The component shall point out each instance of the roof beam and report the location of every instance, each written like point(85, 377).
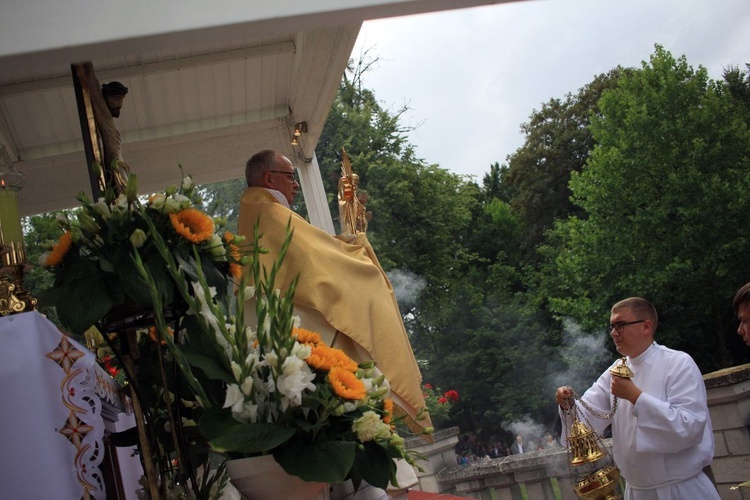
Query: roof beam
point(271, 49)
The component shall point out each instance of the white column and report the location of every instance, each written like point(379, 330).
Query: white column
point(315, 194)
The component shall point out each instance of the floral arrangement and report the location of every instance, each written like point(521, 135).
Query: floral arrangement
point(282, 390)
point(93, 259)
point(438, 403)
point(267, 388)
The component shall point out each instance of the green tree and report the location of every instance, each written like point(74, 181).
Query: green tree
point(558, 142)
point(222, 200)
point(40, 232)
point(663, 193)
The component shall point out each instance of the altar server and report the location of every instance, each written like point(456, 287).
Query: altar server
point(662, 438)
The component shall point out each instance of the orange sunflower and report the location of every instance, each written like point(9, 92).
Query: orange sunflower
point(325, 358)
point(59, 250)
point(306, 336)
point(233, 250)
point(154, 335)
point(193, 225)
point(387, 410)
point(346, 384)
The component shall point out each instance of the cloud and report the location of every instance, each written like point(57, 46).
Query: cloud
point(472, 76)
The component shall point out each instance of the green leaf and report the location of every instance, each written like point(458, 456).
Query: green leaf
point(327, 462)
point(211, 366)
point(135, 288)
point(226, 434)
point(87, 296)
point(374, 466)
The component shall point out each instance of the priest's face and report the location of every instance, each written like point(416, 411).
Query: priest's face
point(632, 335)
point(282, 178)
point(743, 314)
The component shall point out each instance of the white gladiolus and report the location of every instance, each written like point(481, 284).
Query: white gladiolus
point(247, 386)
point(138, 238)
point(236, 371)
point(267, 325)
point(296, 377)
point(103, 209)
point(301, 351)
point(235, 399)
point(249, 413)
point(292, 365)
point(252, 360)
point(271, 359)
point(121, 203)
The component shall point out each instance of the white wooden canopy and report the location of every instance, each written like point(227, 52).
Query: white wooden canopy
point(210, 83)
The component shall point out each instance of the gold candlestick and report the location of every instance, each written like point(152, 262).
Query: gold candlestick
point(13, 297)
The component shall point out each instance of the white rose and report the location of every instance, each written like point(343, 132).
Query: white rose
point(183, 200)
point(157, 201)
point(369, 426)
point(171, 206)
point(216, 247)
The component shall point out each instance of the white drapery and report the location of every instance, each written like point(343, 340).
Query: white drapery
point(51, 424)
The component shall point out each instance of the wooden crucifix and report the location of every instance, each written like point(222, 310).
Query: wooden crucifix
point(98, 106)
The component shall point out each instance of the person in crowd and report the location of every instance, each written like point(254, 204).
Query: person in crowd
point(518, 447)
point(550, 442)
point(662, 437)
point(741, 305)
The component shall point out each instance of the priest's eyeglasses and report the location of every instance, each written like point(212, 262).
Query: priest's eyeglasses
point(292, 176)
point(620, 325)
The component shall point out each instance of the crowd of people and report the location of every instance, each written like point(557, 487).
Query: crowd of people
point(472, 449)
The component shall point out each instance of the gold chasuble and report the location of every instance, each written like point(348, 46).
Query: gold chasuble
point(342, 284)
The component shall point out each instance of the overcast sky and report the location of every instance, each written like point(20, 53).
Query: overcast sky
point(471, 77)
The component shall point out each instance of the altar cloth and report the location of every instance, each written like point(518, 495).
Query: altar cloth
point(51, 425)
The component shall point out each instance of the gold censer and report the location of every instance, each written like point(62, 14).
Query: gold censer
point(586, 447)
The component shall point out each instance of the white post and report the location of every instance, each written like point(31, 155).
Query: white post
point(315, 194)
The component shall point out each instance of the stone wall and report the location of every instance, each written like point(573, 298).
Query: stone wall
point(729, 404)
point(440, 454)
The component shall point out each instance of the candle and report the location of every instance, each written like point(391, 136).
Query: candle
point(10, 220)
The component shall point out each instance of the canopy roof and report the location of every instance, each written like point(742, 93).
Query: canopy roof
point(209, 83)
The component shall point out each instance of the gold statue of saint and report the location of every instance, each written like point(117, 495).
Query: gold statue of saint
point(352, 211)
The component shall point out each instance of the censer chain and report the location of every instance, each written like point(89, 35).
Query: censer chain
point(603, 416)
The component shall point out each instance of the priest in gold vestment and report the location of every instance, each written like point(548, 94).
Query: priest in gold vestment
point(342, 293)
